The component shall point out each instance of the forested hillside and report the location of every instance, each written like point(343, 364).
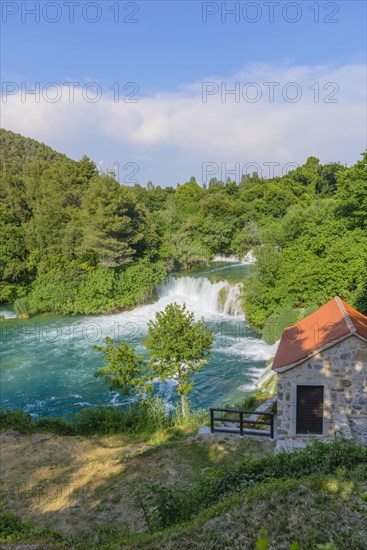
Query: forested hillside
point(76, 241)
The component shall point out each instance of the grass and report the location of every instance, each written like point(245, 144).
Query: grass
point(252, 400)
point(15, 529)
point(168, 488)
point(145, 417)
point(319, 512)
point(75, 484)
point(169, 506)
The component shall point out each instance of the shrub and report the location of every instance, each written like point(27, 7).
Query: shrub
point(144, 416)
point(100, 420)
point(14, 529)
point(16, 420)
point(58, 426)
point(22, 308)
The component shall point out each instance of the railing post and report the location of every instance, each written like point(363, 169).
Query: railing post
point(211, 420)
point(241, 423)
point(272, 427)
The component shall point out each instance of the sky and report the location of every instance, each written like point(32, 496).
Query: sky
point(165, 90)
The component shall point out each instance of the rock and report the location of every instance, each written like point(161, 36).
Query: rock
point(344, 383)
point(204, 430)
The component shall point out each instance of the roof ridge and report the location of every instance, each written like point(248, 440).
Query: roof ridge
point(345, 314)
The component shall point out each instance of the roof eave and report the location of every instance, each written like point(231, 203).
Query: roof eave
point(319, 350)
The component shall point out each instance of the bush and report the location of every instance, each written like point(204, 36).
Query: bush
point(144, 416)
point(100, 420)
point(92, 420)
point(55, 292)
point(58, 426)
point(17, 420)
point(22, 308)
point(13, 529)
point(100, 290)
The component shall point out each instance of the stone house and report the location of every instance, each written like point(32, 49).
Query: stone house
point(321, 366)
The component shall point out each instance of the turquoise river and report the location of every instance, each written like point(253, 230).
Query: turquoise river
point(47, 362)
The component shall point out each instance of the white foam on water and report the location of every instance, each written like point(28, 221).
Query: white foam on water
point(212, 301)
point(217, 302)
point(225, 258)
point(249, 258)
point(202, 296)
point(7, 313)
point(247, 387)
point(251, 348)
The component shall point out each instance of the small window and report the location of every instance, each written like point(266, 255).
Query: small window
point(310, 409)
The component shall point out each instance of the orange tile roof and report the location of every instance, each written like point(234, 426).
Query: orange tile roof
point(333, 321)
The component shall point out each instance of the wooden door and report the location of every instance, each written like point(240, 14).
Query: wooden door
point(310, 409)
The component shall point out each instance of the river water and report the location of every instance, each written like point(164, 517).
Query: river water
point(47, 362)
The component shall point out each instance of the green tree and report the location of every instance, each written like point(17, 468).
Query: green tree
point(113, 222)
point(21, 306)
point(352, 194)
point(178, 347)
point(124, 370)
point(248, 237)
point(187, 197)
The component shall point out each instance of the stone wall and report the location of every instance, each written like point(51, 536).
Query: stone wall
point(342, 370)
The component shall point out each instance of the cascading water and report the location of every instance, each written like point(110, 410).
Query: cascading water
point(7, 313)
point(204, 297)
point(48, 361)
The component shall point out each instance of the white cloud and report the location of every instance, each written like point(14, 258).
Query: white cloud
point(179, 128)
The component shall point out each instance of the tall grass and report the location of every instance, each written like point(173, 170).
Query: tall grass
point(146, 416)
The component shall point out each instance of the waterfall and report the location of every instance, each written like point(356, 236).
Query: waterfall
point(226, 258)
point(203, 296)
point(7, 313)
point(27, 380)
point(249, 258)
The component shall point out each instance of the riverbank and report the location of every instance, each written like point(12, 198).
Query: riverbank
point(221, 268)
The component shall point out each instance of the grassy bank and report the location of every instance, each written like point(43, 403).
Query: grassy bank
point(120, 491)
point(144, 417)
point(88, 489)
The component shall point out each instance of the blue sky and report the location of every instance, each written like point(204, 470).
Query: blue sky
point(169, 133)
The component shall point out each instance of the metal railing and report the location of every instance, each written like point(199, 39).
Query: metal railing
point(241, 421)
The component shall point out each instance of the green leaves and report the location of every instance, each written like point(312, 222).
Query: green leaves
point(112, 222)
point(178, 346)
point(352, 194)
point(124, 369)
point(76, 241)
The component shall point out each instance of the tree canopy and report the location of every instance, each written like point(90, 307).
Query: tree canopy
point(76, 241)
point(178, 347)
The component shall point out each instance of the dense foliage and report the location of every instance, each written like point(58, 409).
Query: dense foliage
point(76, 241)
point(178, 347)
point(124, 368)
